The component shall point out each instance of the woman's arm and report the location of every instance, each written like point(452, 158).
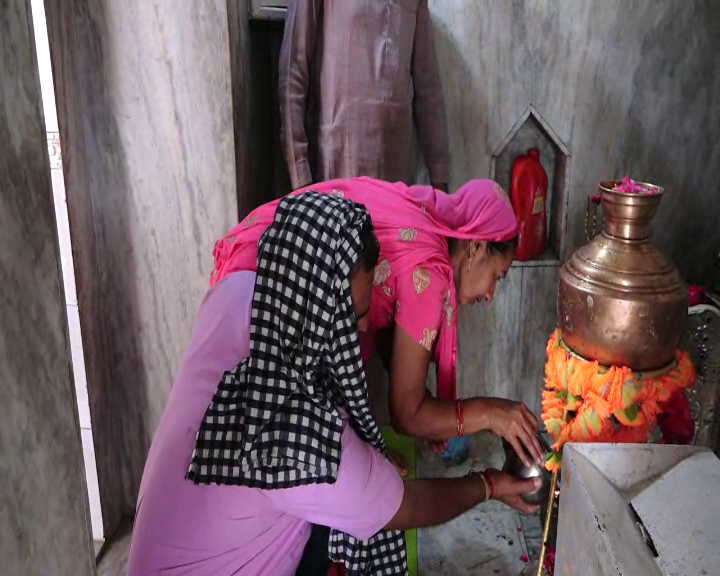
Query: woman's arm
point(412, 410)
point(432, 502)
point(416, 413)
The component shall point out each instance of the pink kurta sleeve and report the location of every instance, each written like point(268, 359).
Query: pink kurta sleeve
point(296, 56)
point(367, 494)
point(428, 105)
point(419, 304)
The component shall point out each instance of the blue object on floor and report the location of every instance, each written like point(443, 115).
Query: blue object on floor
point(457, 451)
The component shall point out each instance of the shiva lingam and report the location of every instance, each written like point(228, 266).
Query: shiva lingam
point(613, 363)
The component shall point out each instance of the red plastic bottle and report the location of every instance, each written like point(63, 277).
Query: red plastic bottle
point(529, 194)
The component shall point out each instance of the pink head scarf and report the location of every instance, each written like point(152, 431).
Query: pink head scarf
point(479, 210)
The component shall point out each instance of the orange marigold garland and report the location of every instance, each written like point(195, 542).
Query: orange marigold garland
point(603, 404)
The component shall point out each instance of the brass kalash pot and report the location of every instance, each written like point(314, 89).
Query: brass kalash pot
point(620, 301)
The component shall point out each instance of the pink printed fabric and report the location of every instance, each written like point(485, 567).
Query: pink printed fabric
point(412, 224)
point(418, 301)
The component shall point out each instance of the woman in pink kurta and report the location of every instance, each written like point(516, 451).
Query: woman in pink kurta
point(437, 251)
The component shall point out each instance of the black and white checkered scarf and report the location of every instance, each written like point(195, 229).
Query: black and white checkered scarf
point(274, 420)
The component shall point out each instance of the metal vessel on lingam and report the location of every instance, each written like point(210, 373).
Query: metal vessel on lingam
point(620, 301)
point(622, 310)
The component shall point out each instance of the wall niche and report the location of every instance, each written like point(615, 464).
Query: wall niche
point(532, 131)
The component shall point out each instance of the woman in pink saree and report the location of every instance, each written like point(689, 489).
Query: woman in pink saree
point(437, 251)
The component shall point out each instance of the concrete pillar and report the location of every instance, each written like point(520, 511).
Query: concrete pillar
point(44, 518)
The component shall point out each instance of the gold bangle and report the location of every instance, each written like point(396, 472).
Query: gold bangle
point(485, 482)
point(487, 487)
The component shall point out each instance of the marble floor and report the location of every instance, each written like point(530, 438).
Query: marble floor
point(490, 539)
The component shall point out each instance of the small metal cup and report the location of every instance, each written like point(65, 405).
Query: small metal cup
point(515, 467)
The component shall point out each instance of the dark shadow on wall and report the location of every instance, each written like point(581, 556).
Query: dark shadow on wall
point(454, 75)
point(280, 178)
point(44, 513)
point(260, 167)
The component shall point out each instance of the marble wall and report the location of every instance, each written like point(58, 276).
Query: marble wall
point(47, 90)
point(146, 119)
point(629, 88)
point(44, 517)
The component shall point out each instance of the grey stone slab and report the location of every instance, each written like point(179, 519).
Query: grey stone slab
point(44, 516)
point(484, 540)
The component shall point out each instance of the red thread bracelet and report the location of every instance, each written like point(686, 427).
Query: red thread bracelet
point(459, 417)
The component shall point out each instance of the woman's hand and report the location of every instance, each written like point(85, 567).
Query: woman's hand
point(514, 422)
point(508, 489)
